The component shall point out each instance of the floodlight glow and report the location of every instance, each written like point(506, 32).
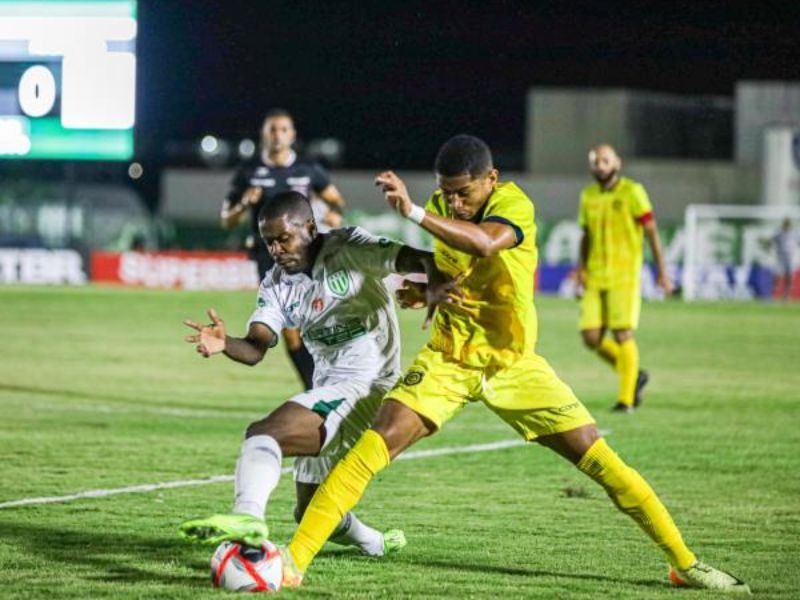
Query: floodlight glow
point(209, 144)
point(247, 148)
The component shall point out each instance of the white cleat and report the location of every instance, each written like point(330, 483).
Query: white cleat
point(703, 576)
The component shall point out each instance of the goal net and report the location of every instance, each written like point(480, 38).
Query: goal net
point(731, 251)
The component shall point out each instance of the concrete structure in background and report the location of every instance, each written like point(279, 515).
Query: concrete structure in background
point(760, 104)
point(780, 173)
point(562, 124)
point(195, 195)
point(680, 147)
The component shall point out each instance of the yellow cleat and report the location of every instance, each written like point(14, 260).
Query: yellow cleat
point(292, 576)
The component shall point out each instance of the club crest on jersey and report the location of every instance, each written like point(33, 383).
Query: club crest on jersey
point(317, 304)
point(413, 377)
point(339, 282)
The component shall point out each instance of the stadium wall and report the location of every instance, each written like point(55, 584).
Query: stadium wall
point(195, 195)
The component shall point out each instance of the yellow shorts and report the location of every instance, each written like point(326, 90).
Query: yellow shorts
point(529, 396)
point(616, 308)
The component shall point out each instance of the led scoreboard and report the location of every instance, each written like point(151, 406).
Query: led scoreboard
point(67, 79)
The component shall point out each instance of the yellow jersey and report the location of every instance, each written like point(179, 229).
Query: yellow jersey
point(614, 220)
point(496, 323)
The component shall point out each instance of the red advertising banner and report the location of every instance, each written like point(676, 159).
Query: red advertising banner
point(187, 270)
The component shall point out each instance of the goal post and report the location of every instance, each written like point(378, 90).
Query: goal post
point(727, 248)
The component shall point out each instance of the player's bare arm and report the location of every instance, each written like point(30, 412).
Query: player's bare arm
point(663, 280)
point(439, 288)
point(331, 195)
point(212, 339)
point(477, 239)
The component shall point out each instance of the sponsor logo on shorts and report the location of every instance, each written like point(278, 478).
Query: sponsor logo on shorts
point(567, 407)
point(413, 377)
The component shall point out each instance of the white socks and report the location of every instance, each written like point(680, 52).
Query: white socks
point(352, 532)
point(257, 473)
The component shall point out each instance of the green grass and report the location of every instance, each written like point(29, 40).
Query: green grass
point(98, 390)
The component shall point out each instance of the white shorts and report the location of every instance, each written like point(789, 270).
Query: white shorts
point(348, 409)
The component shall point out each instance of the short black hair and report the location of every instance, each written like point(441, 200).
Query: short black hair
point(463, 154)
point(272, 113)
point(293, 204)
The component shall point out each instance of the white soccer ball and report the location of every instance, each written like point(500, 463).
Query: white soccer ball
point(241, 568)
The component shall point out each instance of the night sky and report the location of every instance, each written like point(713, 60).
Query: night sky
point(394, 79)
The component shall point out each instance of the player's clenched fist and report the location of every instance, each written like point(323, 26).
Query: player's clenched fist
point(252, 195)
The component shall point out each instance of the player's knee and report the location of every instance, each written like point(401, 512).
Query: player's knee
point(591, 339)
point(622, 335)
point(261, 427)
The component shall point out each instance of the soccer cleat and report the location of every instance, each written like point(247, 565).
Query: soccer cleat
point(394, 541)
point(703, 576)
point(621, 407)
point(641, 381)
point(220, 528)
point(292, 576)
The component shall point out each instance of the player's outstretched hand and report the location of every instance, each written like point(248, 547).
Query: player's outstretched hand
point(412, 294)
point(441, 289)
point(210, 339)
point(395, 192)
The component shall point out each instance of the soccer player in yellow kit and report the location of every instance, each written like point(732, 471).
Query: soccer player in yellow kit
point(482, 348)
point(614, 212)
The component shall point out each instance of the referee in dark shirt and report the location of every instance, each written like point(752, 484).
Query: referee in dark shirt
point(274, 170)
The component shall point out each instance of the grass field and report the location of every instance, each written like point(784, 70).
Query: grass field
point(98, 391)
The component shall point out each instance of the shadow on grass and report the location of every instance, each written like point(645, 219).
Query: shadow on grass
point(134, 558)
point(94, 555)
point(523, 572)
point(489, 569)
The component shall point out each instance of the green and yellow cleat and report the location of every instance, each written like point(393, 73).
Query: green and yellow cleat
point(220, 528)
point(292, 576)
point(394, 541)
point(703, 576)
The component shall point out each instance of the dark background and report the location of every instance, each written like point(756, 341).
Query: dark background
point(394, 79)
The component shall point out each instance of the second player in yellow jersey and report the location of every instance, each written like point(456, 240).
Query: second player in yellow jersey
point(615, 214)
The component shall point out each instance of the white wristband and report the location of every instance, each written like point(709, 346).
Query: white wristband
point(417, 214)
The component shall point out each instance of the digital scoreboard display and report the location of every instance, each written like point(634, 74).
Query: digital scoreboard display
point(67, 79)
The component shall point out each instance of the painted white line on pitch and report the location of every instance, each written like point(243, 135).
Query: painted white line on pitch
point(165, 485)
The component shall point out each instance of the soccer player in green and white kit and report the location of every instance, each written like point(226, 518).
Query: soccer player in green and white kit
point(330, 287)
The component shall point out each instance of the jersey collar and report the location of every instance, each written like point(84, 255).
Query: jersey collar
point(289, 163)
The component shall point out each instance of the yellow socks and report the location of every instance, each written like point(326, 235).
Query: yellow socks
point(608, 350)
point(634, 497)
point(628, 370)
point(337, 495)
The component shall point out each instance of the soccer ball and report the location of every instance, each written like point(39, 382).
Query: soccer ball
point(241, 568)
